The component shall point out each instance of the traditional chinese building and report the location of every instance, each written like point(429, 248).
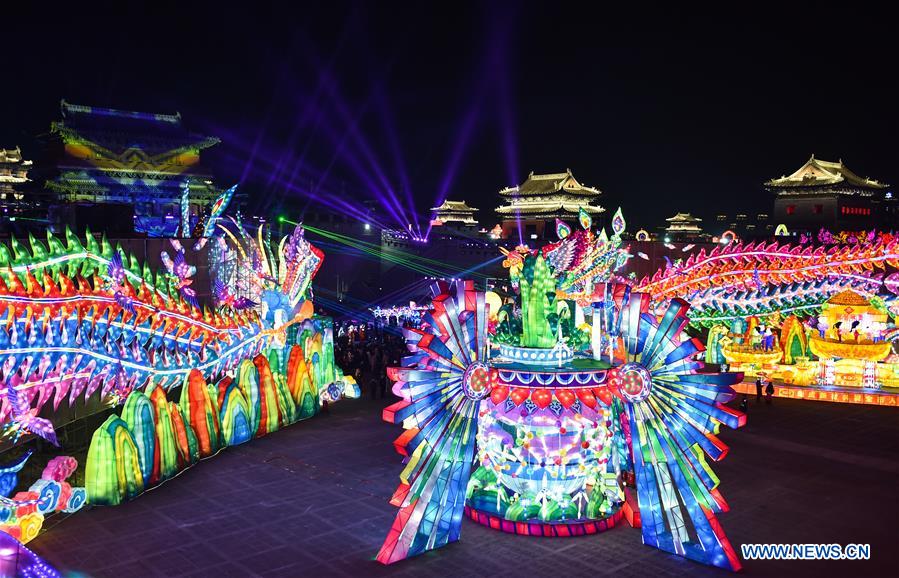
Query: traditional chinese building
point(126, 171)
point(13, 177)
point(454, 214)
point(684, 227)
point(535, 205)
point(824, 194)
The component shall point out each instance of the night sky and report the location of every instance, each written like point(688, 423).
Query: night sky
point(663, 110)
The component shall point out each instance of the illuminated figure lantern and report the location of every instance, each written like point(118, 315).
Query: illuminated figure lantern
point(563, 441)
point(850, 341)
point(851, 328)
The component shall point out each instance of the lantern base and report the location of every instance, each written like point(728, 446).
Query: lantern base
point(545, 529)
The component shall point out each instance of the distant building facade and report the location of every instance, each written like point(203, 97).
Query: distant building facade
point(744, 226)
point(125, 171)
point(825, 194)
point(532, 207)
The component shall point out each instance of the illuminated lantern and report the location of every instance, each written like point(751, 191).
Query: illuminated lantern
point(536, 285)
point(138, 415)
point(248, 381)
point(793, 340)
point(735, 280)
point(499, 394)
point(586, 397)
point(269, 411)
point(584, 218)
point(113, 471)
point(718, 336)
point(199, 408)
point(188, 451)
point(300, 384)
point(314, 354)
point(294, 377)
point(285, 399)
point(555, 442)
point(86, 320)
point(562, 229)
point(540, 460)
point(166, 444)
point(853, 322)
point(494, 302)
point(441, 409)
point(235, 414)
point(519, 395)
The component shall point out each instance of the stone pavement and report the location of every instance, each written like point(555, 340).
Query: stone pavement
point(311, 500)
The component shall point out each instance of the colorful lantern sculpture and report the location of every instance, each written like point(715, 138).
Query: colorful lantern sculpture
point(800, 314)
point(740, 280)
point(84, 317)
point(556, 442)
point(87, 318)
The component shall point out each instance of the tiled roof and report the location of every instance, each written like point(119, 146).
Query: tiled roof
point(454, 206)
point(683, 217)
point(816, 173)
point(548, 184)
point(548, 208)
point(12, 156)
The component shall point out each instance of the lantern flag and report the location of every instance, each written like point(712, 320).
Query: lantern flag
point(675, 413)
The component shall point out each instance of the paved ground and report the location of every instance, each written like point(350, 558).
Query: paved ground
point(311, 500)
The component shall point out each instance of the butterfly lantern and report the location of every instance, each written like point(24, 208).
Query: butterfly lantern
point(115, 282)
point(181, 273)
point(24, 418)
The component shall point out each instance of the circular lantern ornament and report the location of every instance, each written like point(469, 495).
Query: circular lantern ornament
point(477, 381)
point(636, 382)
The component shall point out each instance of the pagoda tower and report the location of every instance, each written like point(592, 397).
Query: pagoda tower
point(534, 205)
point(684, 227)
point(124, 172)
point(825, 194)
point(454, 214)
point(13, 176)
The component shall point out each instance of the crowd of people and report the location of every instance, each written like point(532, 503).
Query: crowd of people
point(367, 354)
